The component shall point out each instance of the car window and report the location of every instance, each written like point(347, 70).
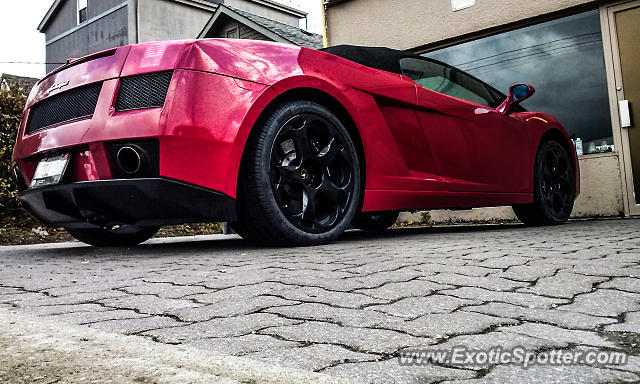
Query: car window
point(447, 80)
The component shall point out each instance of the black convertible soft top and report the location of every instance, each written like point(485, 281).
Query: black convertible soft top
point(386, 59)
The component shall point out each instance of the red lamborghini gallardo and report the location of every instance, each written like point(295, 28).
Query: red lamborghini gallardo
point(290, 145)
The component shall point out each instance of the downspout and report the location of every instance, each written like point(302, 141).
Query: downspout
point(325, 37)
point(132, 7)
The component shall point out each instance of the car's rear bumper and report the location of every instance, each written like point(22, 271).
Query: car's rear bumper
point(196, 133)
point(140, 202)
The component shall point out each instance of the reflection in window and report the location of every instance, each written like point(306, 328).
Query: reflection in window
point(563, 59)
point(444, 80)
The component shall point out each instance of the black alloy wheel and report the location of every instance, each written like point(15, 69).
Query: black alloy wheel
point(556, 181)
point(301, 182)
point(311, 173)
point(554, 187)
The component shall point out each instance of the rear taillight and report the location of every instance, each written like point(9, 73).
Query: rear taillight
point(143, 91)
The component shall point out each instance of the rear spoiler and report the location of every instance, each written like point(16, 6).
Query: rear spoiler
point(72, 61)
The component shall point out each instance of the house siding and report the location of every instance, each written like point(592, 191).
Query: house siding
point(248, 33)
point(66, 17)
point(96, 7)
point(107, 32)
point(244, 32)
point(63, 20)
point(168, 20)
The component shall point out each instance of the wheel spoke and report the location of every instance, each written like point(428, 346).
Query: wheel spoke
point(301, 141)
point(560, 200)
point(549, 197)
point(308, 205)
point(556, 161)
point(329, 152)
point(332, 191)
point(288, 174)
point(551, 200)
point(547, 169)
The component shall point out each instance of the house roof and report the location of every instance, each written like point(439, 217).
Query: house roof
point(47, 17)
point(22, 81)
point(209, 4)
point(275, 30)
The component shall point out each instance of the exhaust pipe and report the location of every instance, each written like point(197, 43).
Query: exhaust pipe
point(130, 160)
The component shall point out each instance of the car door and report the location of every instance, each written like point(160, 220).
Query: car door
point(476, 148)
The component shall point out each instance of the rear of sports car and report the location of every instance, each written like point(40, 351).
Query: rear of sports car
point(131, 138)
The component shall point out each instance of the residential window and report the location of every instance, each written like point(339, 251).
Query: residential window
point(82, 11)
point(232, 34)
point(563, 59)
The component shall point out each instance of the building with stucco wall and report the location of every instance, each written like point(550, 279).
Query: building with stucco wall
point(581, 56)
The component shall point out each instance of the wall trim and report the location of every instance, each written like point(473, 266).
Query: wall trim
point(598, 155)
point(86, 23)
point(200, 4)
point(506, 27)
point(282, 8)
point(614, 79)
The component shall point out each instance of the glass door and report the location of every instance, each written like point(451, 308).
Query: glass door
point(623, 21)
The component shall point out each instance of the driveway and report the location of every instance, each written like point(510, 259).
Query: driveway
point(349, 308)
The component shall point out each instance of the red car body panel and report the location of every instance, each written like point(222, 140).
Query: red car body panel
point(422, 149)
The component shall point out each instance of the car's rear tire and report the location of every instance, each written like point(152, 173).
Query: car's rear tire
point(553, 187)
point(300, 178)
point(375, 221)
point(99, 237)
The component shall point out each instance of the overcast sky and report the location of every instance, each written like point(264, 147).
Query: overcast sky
point(19, 37)
point(313, 8)
point(21, 42)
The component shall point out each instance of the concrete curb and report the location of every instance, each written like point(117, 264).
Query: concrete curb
point(35, 349)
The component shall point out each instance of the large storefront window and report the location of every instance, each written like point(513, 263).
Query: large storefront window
point(563, 59)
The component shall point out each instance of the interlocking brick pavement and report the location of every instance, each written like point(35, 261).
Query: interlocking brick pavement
point(348, 308)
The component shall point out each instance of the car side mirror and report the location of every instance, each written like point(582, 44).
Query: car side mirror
point(517, 94)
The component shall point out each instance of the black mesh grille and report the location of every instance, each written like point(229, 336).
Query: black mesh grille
point(143, 91)
point(70, 105)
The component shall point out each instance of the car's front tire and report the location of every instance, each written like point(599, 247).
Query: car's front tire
point(99, 237)
point(553, 187)
point(300, 179)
